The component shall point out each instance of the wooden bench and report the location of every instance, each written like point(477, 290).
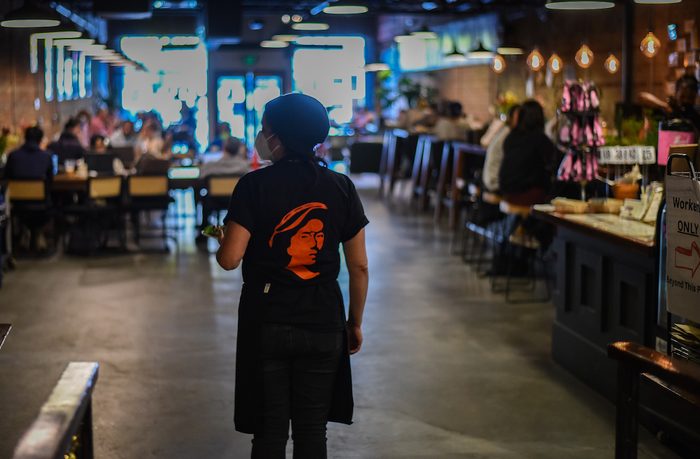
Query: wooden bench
point(64, 425)
point(4, 331)
point(633, 360)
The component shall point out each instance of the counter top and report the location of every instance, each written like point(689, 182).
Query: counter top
point(627, 232)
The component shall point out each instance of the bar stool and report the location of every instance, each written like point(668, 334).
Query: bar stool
point(518, 240)
point(393, 153)
point(417, 167)
point(442, 191)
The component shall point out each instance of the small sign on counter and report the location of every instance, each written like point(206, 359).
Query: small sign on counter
point(633, 154)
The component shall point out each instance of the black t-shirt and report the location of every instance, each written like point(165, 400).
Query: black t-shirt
point(298, 214)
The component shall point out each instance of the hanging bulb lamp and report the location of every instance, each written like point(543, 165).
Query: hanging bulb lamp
point(535, 60)
point(555, 63)
point(650, 45)
point(499, 64)
point(584, 57)
point(30, 16)
point(612, 64)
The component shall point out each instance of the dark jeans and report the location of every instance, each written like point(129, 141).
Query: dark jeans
point(299, 369)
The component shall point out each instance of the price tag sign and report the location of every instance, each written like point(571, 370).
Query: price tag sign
point(634, 154)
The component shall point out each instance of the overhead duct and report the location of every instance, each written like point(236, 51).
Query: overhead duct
point(123, 9)
point(224, 22)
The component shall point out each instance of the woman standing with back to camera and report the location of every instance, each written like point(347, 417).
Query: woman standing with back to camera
point(286, 222)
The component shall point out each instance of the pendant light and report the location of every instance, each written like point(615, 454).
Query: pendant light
point(346, 8)
point(509, 51)
point(425, 33)
point(555, 64)
point(376, 67)
point(311, 26)
point(657, 2)
point(584, 57)
point(579, 4)
point(454, 57)
point(29, 16)
point(612, 64)
point(535, 60)
point(650, 45)
point(404, 36)
point(480, 52)
point(499, 64)
point(273, 44)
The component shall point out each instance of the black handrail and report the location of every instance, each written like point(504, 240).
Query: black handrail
point(4, 329)
point(64, 425)
point(634, 359)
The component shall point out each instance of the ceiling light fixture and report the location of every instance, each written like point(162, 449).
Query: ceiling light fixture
point(656, 2)
point(311, 26)
point(346, 8)
point(499, 64)
point(510, 51)
point(584, 57)
point(612, 64)
point(579, 4)
point(535, 60)
point(29, 16)
point(376, 67)
point(273, 44)
point(480, 52)
point(454, 57)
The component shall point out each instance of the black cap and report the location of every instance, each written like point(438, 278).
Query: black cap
point(300, 122)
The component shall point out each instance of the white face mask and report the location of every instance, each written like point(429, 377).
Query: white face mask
point(262, 147)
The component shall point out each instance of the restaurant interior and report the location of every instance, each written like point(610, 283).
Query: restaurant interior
point(531, 175)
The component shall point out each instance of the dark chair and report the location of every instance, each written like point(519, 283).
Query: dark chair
point(365, 157)
point(102, 163)
point(3, 232)
point(146, 194)
point(394, 151)
point(125, 154)
point(101, 212)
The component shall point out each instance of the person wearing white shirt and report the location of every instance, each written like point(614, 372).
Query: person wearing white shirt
point(494, 152)
point(453, 125)
point(123, 137)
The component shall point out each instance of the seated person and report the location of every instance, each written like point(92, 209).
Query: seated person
point(68, 146)
point(29, 161)
point(232, 162)
point(525, 175)
point(124, 136)
point(494, 151)
point(451, 125)
point(98, 146)
point(223, 133)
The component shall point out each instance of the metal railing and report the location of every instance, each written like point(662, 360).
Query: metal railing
point(63, 428)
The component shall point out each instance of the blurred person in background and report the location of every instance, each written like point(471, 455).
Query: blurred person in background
point(98, 146)
point(234, 160)
point(124, 136)
point(494, 151)
point(68, 146)
point(150, 142)
point(101, 123)
point(452, 123)
point(223, 133)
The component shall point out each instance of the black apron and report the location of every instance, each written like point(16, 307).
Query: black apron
point(249, 375)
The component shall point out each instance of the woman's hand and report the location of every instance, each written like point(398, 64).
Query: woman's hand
point(219, 236)
point(354, 337)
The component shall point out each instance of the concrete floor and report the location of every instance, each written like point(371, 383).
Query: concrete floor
point(448, 370)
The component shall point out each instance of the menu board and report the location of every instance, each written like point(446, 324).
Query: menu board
point(634, 154)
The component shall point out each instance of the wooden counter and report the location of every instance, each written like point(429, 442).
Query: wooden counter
point(605, 291)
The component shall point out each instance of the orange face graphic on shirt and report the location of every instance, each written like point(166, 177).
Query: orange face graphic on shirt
point(307, 238)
